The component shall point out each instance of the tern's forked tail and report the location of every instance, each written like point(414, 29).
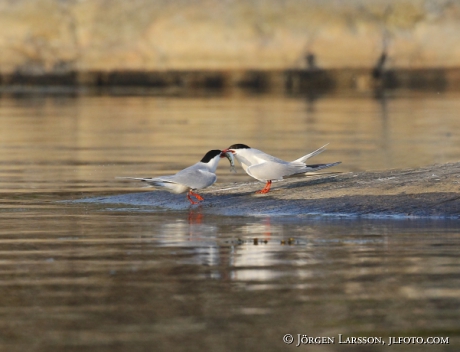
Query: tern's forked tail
point(312, 154)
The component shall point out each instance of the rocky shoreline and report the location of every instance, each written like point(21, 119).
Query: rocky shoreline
point(56, 36)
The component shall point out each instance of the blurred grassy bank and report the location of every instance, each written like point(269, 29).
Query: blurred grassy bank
point(177, 82)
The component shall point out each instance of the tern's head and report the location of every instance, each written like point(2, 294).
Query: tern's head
point(234, 148)
point(212, 154)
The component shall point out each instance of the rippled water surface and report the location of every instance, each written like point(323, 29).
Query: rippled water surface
point(79, 277)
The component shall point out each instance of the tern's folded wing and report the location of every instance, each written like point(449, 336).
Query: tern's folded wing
point(274, 171)
point(151, 180)
point(195, 179)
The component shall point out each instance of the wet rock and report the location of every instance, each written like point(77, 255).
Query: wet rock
point(432, 191)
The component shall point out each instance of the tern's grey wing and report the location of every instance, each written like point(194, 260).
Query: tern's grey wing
point(195, 176)
point(317, 167)
point(274, 171)
point(151, 180)
point(261, 156)
point(166, 182)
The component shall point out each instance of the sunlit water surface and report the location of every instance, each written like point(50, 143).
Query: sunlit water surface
point(76, 277)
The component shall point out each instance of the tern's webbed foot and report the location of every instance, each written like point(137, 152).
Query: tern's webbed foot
point(263, 191)
point(266, 189)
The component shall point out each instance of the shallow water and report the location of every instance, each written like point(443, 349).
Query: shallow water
point(80, 277)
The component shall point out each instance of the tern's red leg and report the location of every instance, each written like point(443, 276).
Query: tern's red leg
point(266, 188)
point(197, 196)
point(190, 199)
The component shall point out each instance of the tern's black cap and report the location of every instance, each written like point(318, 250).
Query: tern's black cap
point(210, 155)
point(239, 146)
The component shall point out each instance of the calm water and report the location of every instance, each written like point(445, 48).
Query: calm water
point(79, 277)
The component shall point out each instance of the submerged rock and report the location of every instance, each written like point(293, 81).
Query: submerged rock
point(432, 191)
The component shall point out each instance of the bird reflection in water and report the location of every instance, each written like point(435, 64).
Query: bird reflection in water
point(195, 216)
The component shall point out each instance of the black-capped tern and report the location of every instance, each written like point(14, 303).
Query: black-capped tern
point(267, 168)
point(198, 176)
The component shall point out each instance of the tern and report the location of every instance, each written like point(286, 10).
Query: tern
point(198, 176)
point(267, 168)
